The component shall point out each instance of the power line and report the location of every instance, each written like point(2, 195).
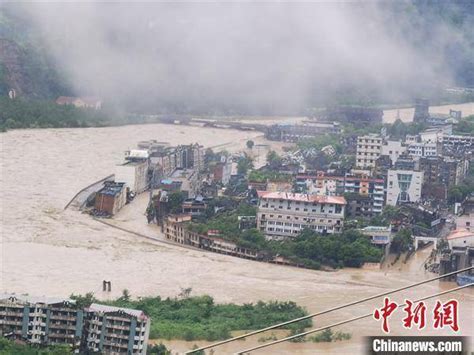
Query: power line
point(326, 311)
point(343, 322)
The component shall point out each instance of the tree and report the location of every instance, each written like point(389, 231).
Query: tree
point(84, 301)
point(403, 241)
point(175, 201)
point(158, 349)
point(274, 160)
point(125, 295)
point(250, 144)
point(244, 164)
point(185, 292)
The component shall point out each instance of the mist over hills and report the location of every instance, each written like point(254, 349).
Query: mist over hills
point(267, 58)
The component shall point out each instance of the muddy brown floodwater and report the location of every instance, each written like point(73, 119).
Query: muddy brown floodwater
point(48, 251)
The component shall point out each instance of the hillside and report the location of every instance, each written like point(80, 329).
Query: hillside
point(25, 64)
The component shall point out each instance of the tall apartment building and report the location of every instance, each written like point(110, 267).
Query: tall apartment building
point(50, 321)
point(371, 188)
point(403, 186)
point(369, 149)
point(284, 215)
point(41, 320)
point(114, 330)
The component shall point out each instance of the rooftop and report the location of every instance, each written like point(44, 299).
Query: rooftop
point(338, 200)
point(111, 309)
point(34, 299)
point(112, 188)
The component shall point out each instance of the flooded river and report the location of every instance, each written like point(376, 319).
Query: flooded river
point(48, 251)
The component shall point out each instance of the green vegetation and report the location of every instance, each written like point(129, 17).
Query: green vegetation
point(328, 336)
point(8, 347)
point(348, 249)
point(158, 349)
point(274, 161)
point(465, 126)
point(399, 129)
point(244, 164)
point(20, 113)
point(403, 241)
point(459, 192)
point(175, 201)
point(310, 249)
point(320, 142)
point(262, 176)
point(228, 226)
point(199, 318)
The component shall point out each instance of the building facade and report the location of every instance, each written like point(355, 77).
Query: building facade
point(43, 321)
point(403, 186)
point(111, 198)
point(371, 190)
point(444, 170)
point(393, 149)
point(284, 215)
point(369, 149)
point(420, 149)
point(50, 321)
point(114, 330)
point(378, 235)
point(134, 174)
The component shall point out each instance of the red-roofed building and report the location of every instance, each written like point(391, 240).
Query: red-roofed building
point(284, 215)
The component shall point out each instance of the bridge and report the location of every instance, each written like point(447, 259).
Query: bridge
point(424, 239)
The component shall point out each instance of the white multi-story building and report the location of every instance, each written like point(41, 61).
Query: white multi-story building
point(284, 215)
point(393, 149)
point(134, 174)
point(369, 149)
point(425, 149)
point(403, 186)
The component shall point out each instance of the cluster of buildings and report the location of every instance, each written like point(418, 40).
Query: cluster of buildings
point(153, 165)
point(54, 321)
point(414, 172)
point(459, 253)
point(420, 167)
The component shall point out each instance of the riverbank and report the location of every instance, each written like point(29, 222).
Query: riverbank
point(49, 251)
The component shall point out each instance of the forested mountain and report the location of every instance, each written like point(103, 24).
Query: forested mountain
point(25, 64)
